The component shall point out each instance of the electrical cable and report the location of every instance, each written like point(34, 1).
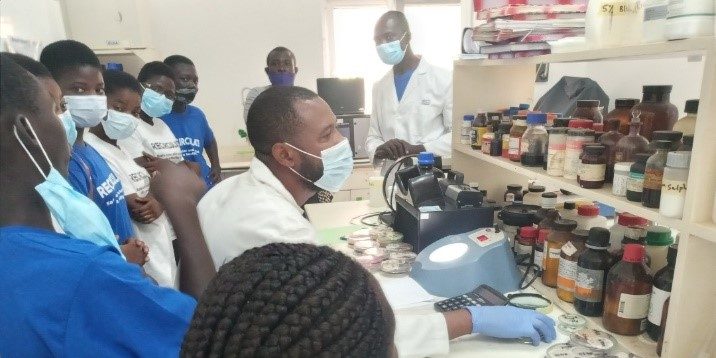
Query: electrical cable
point(398, 162)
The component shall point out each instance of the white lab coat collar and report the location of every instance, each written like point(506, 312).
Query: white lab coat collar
point(413, 82)
point(263, 174)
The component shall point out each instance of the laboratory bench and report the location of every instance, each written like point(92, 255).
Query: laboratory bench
point(406, 296)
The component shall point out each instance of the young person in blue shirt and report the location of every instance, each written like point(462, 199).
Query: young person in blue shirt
point(63, 296)
point(188, 122)
point(77, 71)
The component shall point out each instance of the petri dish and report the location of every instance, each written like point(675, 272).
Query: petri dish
point(567, 329)
point(395, 267)
point(398, 247)
point(353, 239)
point(369, 262)
point(361, 246)
point(594, 339)
point(573, 320)
point(569, 350)
point(403, 256)
point(376, 252)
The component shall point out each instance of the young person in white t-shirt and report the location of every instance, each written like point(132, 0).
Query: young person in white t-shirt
point(153, 139)
point(150, 223)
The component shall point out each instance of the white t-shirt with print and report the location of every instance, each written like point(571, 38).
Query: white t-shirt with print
point(157, 140)
point(159, 234)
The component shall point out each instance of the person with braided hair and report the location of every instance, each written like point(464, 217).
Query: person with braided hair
point(296, 300)
point(293, 132)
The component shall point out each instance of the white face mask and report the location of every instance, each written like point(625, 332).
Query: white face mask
point(337, 166)
point(119, 125)
point(87, 111)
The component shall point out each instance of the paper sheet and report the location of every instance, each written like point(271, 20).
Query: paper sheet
point(403, 292)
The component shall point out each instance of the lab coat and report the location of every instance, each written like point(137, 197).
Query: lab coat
point(422, 116)
point(254, 209)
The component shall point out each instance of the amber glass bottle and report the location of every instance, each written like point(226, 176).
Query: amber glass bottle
point(592, 268)
point(567, 273)
point(628, 291)
point(609, 140)
point(561, 233)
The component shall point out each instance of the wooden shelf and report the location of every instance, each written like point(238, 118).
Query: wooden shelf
point(640, 345)
point(603, 195)
point(669, 49)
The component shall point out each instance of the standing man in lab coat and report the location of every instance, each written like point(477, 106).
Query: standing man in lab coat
point(412, 103)
point(299, 151)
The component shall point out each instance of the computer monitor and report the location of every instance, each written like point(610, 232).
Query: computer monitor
point(343, 95)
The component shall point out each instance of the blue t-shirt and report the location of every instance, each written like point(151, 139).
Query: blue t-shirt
point(107, 194)
point(401, 82)
point(63, 297)
point(194, 134)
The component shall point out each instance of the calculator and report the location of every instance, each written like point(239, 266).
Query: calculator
point(483, 295)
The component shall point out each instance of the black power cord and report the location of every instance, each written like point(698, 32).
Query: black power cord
point(398, 163)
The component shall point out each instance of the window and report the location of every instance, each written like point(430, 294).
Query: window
point(436, 29)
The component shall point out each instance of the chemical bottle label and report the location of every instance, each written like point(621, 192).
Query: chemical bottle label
point(620, 8)
point(569, 249)
point(515, 146)
point(674, 187)
point(555, 162)
point(566, 275)
point(554, 253)
point(522, 249)
point(589, 285)
point(539, 259)
point(633, 306)
point(658, 297)
point(635, 183)
point(653, 179)
point(592, 172)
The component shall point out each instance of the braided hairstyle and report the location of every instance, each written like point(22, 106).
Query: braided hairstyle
point(295, 300)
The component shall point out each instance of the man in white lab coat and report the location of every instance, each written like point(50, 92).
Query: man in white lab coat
point(412, 103)
point(299, 151)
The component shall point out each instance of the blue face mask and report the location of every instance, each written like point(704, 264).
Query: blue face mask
point(281, 78)
point(390, 52)
point(77, 215)
point(119, 125)
point(70, 127)
point(155, 104)
point(337, 166)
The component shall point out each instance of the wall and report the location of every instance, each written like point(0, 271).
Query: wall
point(32, 19)
point(228, 40)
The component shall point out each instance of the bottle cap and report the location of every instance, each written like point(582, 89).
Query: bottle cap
point(524, 106)
point(622, 166)
point(662, 144)
point(658, 236)
point(549, 200)
point(581, 123)
point(570, 205)
point(564, 225)
point(518, 215)
point(514, 187)
point(542, 236)
point(426, 158)
point(625, 102)
point(657, 89)
point(588, 103)
point(536, 189)
point(633, 253)
point(680, 159)
point(626, 219)
point(588, 210)
point(594, 149)
point(671, 136)
point(473, 184)
point(468, 117)
point(671, 255)
point(641, 158)
point(561, 122)
point(557, 130)
point(529, 232)
point(536, 118)
point(692, 106)
point(598, 237)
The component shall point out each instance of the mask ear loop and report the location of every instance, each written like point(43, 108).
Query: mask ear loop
point(302, 151)
point(42, 148)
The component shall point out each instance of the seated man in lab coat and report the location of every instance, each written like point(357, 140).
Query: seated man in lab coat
point(412, 103)
point(299, 151)
point(281, 70)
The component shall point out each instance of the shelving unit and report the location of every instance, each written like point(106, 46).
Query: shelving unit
point(493, 84)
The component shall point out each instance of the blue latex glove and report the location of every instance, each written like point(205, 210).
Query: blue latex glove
point(512, 322)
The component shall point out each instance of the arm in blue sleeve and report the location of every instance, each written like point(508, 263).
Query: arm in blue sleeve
point(125, 230)
point(118, 312)
point(77, 177)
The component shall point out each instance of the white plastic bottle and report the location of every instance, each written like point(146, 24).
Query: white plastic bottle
point(654, 27)
point(611, 23)
point(690, 18)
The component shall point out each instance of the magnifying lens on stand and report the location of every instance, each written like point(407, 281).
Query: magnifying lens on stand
point(530, 301)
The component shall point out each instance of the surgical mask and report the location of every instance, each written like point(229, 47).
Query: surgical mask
point(281, 78)
point(390, 52)
point(77, 215)
point(70, 127)
point(186, 95)
point(119, 125)
point(155, 104)
point(87, 111)
point(337, 166)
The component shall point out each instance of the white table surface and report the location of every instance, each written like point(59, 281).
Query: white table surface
point(334, 215)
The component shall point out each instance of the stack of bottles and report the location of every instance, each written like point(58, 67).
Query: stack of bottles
point(640, 146)
point(622, 273)
point(521, 28)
